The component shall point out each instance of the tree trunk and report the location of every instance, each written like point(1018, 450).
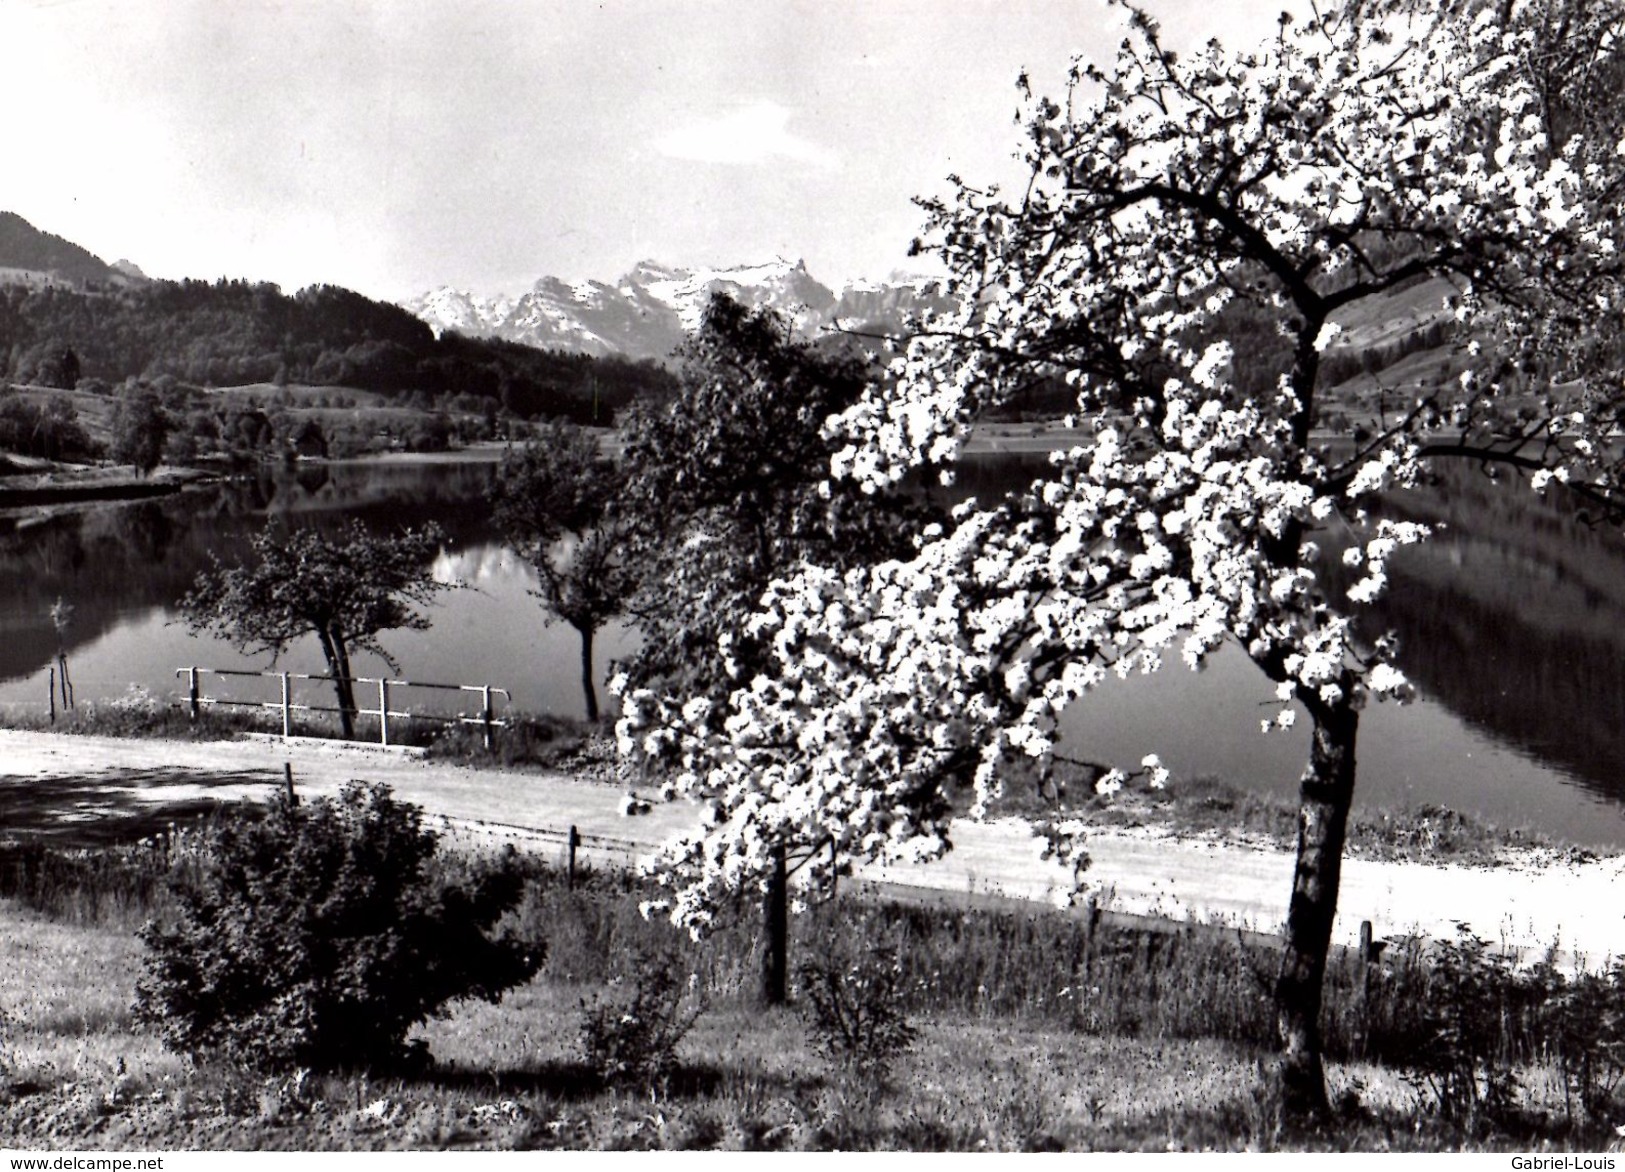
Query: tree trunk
point(346, 688)
point(338, 666)
point(776, 934)
point(1325, 795)
point(587, 687)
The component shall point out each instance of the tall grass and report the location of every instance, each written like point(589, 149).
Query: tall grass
point(1052, 973)
point(119, 886)
point(1042, 965)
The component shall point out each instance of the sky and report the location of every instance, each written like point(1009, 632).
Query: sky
point(393, 146)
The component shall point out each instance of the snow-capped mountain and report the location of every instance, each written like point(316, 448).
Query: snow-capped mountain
point(451, 309)
point(647, 313)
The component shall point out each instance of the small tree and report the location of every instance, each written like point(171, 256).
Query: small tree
point(139, 429)
point(556, 500)
point(730, 484)
point(731, 487)
point(345, 591)
point(58, 368)
point(319, 935)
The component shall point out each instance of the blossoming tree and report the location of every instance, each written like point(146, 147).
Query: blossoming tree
point(1346, 158)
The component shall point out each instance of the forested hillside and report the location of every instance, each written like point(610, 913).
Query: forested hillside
point(229, 333)
point(26, 248)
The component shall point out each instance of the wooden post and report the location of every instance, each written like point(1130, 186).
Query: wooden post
point(575, 841)
point(50, 692)
point(776, 932)
point(1366, 958)
point(192, 692)
point(287, 778)
point(485, 714)
point(1091, 931)
point(383, 713)
point(287, 711)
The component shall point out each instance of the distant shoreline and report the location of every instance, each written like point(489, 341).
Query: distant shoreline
point(59, 485)
point(33, 488)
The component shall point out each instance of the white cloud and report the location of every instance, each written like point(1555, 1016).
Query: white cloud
point(752, 134)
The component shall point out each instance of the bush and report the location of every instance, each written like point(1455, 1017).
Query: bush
point(319, 935)
point(1461, 1061)
point(635, 1040)
point(1582, 1020)
point(51, 431)
point(856, 1010)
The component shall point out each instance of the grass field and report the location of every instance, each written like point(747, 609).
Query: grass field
point(82, 1074)
point(1036, 1031)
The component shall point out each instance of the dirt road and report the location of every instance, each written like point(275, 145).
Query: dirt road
point(61, 786)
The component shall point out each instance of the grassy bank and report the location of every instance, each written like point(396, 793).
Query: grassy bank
point(1211, 807)
point(1035, 1031)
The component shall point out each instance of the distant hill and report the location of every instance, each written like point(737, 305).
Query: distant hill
point(29, 252)
point(231, 333)
point(582, 349)
point(66, 317)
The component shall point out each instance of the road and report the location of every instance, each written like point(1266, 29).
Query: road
point(69, 786)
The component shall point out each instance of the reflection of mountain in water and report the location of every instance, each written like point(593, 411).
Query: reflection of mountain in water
point(119, 563)
point(1513, 617)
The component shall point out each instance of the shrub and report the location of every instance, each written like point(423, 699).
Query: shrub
point(1461, 1061)
point(635, 1040)
point(856, 1010)
point(319, 935)
point(1582, 1020)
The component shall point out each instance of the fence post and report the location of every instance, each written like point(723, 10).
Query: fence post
point(1365, 985)
point(485, 713)
point(287, 711)
point(575, 841)
point(383, 712)
point(191, 691)
point(50, 689)
point(287, 777)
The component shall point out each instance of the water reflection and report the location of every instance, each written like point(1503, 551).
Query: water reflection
point(1514, 618)
point(1511, 622)
point(119, 564)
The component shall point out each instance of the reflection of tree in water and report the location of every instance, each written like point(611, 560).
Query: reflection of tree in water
point(145, 530)
point(312, 478)
point(114, 563)
point(1559, 696)
point(61, 619)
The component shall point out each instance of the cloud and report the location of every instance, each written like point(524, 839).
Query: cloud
point(752, 134)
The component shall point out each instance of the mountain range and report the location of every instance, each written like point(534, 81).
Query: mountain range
point(647, 312)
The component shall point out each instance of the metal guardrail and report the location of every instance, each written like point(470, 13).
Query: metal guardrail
point(485, 717)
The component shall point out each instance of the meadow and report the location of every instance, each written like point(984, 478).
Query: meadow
point(1032, 1030)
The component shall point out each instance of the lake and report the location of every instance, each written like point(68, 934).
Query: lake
point(1512, 624)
